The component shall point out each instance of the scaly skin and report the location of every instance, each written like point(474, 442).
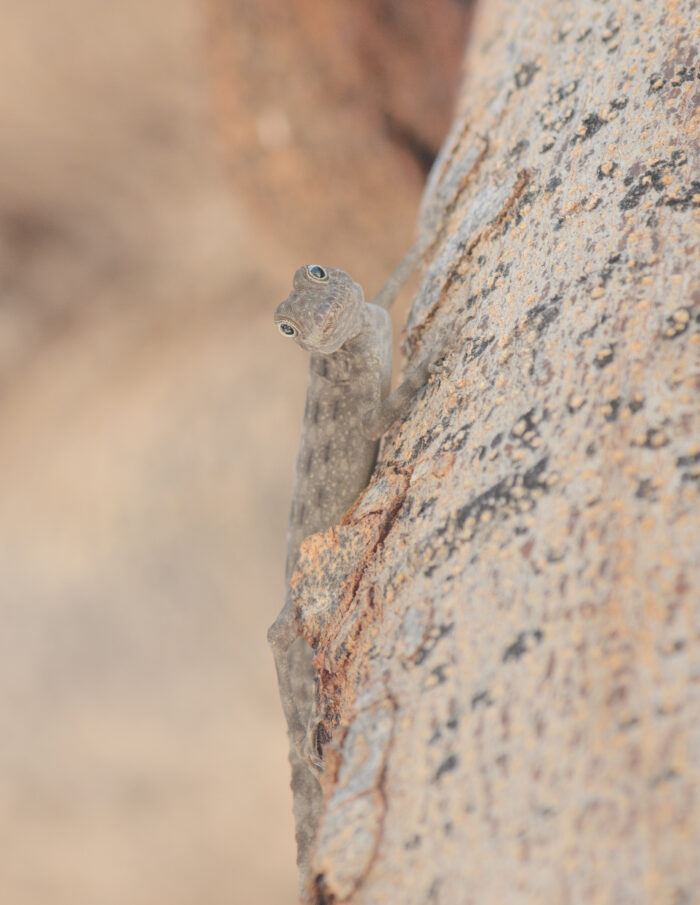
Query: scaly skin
point(348, 408)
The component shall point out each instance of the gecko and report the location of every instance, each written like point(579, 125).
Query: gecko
point(349, 406)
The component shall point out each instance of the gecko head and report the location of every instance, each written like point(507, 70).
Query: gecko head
point(323, 310)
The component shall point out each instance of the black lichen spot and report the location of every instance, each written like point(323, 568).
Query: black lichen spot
point(541, 316)
point(456, 441)
point(522, 205)
point(518, 149)
point(664, 776)
point(686, 461)
point(610, 33)
point(654, 438)
point(587, 333)
point(525, 430)
point(612, 410)
point(508, 497)
point(683, 74)
point(605, 171)
point(436, 635)
point(605, 356)
point(426, 506)
point(476, 348)
point(656, 83)
point(525, 73)
point(425, 440)
point(681, 897)
point(496, 440)
point(500, 271)
point(449, 764)
point(689, 198)
point(561, 92)
point(532, 477)
point(439, 674)
point(413, 843)
point(482, 699)
point(653, 177)
point(522, 644)
point(434, 890)
point(608, 271)
point(584, 34)
point(632, 197)
point(646, 490)
point(590, 124)
point(678, 323)
point(590, 450)
point(636, 404)
point(565, 118)
point(626, 725)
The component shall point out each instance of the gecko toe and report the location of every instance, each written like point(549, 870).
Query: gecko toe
point(314, 741)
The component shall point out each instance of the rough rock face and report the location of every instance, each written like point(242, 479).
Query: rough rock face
point(506, 623)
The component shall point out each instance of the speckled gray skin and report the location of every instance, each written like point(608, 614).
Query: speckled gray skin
point(348, 408)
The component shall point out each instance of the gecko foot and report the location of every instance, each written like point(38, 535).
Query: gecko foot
point(315, 739)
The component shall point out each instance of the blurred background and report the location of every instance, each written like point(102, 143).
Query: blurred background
point(164, 167)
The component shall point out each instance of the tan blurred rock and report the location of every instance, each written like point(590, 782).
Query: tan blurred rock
point(328, 109)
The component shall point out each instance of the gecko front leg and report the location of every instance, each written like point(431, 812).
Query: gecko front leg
point(377, 420)
point(280, 636)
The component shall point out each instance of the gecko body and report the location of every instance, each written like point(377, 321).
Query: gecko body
point(348, 407)
point(336, 456)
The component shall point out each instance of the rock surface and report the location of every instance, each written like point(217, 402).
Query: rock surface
point(506, 623)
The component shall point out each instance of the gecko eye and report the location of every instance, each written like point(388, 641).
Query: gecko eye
point(316, 272)
point(286, 329)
